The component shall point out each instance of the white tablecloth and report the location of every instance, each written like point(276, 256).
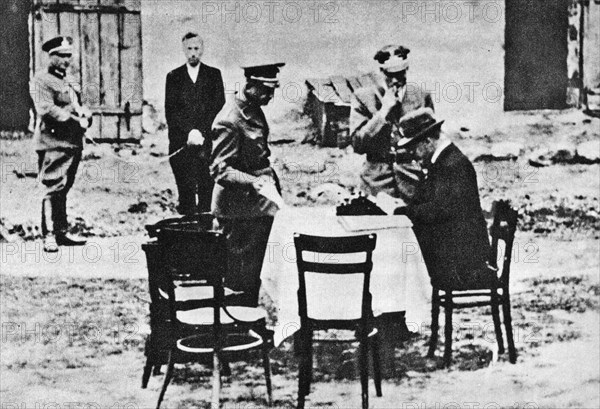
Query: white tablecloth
point(399, 281)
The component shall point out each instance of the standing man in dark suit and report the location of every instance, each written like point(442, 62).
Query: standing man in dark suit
point(58, 139)
point(374, 118)
point(446, 212)
point(194, 96)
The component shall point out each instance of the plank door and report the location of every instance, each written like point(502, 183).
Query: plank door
point(107, 62)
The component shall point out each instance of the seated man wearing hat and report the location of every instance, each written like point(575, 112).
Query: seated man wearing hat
point(58, 139)
point(446, 212)
point(374, 126)
point(242, 172)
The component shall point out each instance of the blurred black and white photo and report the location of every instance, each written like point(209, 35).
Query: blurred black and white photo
point(300, 203)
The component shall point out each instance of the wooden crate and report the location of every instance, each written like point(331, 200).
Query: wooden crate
point(328, 105)
point(107, 63)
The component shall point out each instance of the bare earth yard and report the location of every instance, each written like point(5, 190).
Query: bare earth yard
point(74, 332)
point(73, 329)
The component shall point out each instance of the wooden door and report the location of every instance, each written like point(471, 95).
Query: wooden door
point(536, 74)
point(591, 45)
point(107, 62)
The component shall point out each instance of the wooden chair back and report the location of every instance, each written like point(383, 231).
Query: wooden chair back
point(322, 248)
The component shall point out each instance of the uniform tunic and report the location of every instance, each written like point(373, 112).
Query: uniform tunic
point(58, 140)
point(240, 154)
point(375, 136)
point(54, 100)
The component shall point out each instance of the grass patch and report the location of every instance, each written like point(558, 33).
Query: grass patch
point(571, 294)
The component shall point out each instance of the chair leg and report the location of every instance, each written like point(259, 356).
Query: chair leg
point(156, 370)
point(435, 314)
point(225, 367)
point(304, 347)
point(216, 387)
point(168, 377)
point(448, 330)
point(309, 362)
point(363, 363)
point(146, 374)
point(376, 364)
point(512, 352)
point(496, 318)
point(267, 366)
point(301, 375)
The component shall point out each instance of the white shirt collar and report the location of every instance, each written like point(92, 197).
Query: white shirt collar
point(193, 72)
point(440, 148)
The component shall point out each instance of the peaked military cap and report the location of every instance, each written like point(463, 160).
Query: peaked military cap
point(58, 45)
point(416, 125)
point(265, 73)
point(392, 58)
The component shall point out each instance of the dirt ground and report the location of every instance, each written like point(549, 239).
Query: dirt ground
point(75, 333)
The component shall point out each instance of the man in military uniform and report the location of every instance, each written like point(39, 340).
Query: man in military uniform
point(60, 126)
point(243, 175)
point(374, 131)
point(194, 95)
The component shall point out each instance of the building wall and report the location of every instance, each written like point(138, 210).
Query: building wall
point(536, 48)
point(14, 54)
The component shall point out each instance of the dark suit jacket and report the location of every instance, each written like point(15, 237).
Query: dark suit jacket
point(192, 106)
point(449, 224)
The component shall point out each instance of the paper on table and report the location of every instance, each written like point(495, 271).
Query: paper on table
point(371, 223)
point(270, 192)
point(388, 203)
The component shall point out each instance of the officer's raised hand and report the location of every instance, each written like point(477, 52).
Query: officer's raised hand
point(390, 103)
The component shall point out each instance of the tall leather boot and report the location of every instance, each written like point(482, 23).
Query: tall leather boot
point(62, 225)
point(48, 230)
point(60, 214)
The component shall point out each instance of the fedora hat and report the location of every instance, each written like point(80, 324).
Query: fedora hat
point(392, 58)
point(416, 125)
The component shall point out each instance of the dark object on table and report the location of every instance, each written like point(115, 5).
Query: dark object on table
point(366, 333)
point(495, 293)
point(192, 318)
point(182, 228)
point(359, 206)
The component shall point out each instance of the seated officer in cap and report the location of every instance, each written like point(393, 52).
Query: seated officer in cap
point(446, 212)
point(374, 126)
point(60, 126)
point(241, 169)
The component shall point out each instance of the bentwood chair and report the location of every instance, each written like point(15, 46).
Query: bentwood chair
point(207, 329)
point(495, 295)
point(318, 257)
point(160, 339)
